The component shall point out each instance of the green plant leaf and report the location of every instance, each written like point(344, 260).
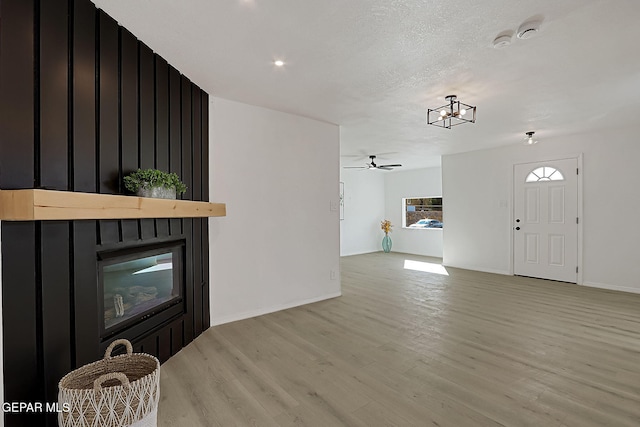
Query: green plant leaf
point(148, 178)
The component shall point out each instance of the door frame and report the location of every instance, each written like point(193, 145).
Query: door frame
point(512, 196)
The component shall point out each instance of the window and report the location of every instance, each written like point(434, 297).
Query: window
point(422, 212)
point(545, 173)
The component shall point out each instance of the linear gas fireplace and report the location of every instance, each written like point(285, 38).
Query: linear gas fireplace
point(136, 284)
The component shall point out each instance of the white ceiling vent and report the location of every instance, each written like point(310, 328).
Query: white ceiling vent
point(502, 41)
point(528, 29)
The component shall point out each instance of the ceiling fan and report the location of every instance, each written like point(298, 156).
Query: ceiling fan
point(373, 165)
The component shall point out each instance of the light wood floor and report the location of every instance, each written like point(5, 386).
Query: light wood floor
point(410, 348)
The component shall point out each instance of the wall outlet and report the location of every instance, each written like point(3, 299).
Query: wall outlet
point(333, 275)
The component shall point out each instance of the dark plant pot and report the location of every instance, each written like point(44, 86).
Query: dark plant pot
point(157, 192)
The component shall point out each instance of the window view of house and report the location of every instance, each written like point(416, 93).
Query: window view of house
point(423, 212)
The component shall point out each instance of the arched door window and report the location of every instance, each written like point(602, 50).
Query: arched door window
point(545, 173)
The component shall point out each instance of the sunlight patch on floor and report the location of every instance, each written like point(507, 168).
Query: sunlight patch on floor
point(428, 267)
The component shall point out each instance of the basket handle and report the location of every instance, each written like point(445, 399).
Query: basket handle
point(97, 384)
point(126, 343)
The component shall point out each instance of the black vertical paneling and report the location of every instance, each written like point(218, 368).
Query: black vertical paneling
point(129, 101)
point(197, 277)
point(83, 102)
point(175, 129)
point(189, 283)
point(177, 342)
point(54, 78)
point(85, 298)
point(129, 117)
point(108, 123)
point(147, 345)
point(146, 79)
point(162, 114)
point(196, 141)
point(20, 308)
point(146, 142)
point(162, 129)
point(108, 105)
point(187, 165)
point(56, 305)
point(206, 321)
point(204, 158)
point(17, 94)
point(164, 344)
point(196, 133)
point(83, 97)
point(22, 370)
point(186, 138)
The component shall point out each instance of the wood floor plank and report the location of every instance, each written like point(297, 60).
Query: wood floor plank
point(403, 347)
point(237, 367)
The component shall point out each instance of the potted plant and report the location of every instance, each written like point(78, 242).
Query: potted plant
point(154, 183)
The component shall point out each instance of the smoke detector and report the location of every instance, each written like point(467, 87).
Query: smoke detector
point(528, 29)
point(502, 41)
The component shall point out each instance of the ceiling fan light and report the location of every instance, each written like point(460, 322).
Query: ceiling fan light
point(463, 112)
point(528, 140)
point(443, 113)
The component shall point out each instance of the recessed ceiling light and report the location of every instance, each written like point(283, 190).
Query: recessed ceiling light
point(278, 63)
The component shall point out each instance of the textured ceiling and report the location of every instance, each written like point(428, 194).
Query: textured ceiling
point(374, 66)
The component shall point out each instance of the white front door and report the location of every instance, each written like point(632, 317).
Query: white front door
point(545, 225)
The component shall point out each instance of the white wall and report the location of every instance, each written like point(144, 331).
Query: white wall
point(408, 184)
point(477, 190)
point(278, 174)
point(363, 210)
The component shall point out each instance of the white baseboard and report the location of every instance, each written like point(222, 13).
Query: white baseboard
point(359, 253)
point(611, 287)
point(266, 310)
point(483, 270)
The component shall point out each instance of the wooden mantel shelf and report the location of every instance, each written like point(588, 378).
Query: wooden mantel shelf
point(34, 205)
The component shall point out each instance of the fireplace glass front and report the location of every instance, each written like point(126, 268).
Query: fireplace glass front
point(137, 285)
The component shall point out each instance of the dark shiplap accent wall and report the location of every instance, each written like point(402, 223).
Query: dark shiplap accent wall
point(83, 103)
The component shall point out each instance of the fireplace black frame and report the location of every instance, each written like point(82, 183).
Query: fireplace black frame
point(148, 319)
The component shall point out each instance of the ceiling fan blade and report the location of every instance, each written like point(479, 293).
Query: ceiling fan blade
point(381, 156)
point(354, 167)
point(389, 166)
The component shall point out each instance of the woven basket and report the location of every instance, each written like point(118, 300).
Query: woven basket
point(116, 391)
